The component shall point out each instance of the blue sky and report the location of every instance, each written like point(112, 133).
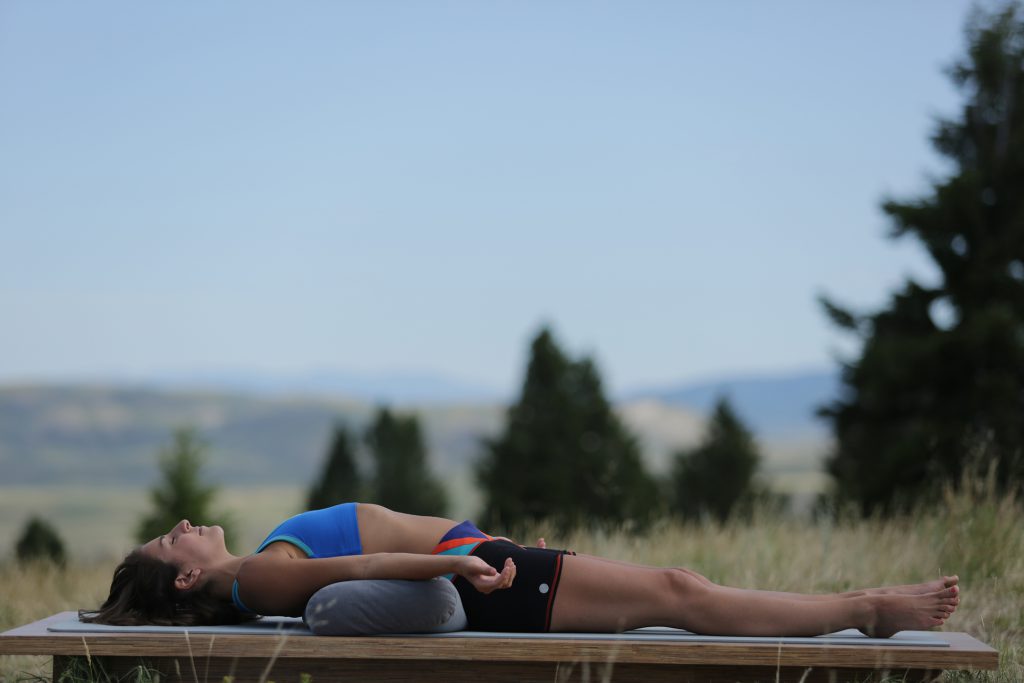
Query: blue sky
point(399, 187)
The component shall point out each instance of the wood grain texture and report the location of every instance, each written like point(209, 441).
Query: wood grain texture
point(388, 671)
point(964, 652)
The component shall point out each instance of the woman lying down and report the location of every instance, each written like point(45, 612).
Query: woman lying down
point(188, 577)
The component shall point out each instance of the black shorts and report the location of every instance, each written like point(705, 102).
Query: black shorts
point(526, 605)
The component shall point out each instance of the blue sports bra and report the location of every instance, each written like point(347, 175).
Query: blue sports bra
point(330, 532)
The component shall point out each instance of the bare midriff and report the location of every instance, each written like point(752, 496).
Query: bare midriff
point(385, 531)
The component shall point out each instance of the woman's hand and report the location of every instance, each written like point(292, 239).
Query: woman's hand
point(484, 577)
point(540, 541)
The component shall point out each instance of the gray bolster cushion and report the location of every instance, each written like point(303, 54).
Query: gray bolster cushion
point(378, 606)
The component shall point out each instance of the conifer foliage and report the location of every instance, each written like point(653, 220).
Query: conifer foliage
point(181, 494)
point(714, 477)
point(402, 479)
point(564, 455)
point(39, 541)
point(940, 378)
point(340, 481)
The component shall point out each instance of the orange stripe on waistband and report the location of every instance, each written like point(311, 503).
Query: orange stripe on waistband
point(456, 542)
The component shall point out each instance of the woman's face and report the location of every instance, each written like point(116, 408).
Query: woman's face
point(186, 546)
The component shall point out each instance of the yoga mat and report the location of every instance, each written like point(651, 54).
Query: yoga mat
point(293, 626)
point(265, 626)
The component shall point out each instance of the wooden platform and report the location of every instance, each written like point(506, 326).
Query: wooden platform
point(203, 657)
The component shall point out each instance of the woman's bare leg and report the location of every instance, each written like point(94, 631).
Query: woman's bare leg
point(595, 595)
point(907, 589)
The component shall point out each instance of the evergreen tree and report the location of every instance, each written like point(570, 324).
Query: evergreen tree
point(340, 481)
point(402, 479)
point(719, 473)
point(941, 371)
point(564, 455)
point(40, 541)
point(181, 494)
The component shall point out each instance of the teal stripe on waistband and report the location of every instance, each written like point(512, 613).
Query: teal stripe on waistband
point(464, 549)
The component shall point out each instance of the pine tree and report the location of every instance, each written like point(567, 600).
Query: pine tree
point(719, 473)
point(340, 481)
point(941, 371)
point(402, 479)
point(40, 541)
point(564, 455)
point(181, 494)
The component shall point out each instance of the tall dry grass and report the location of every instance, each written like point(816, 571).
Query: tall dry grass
point(31, 592)
point(973, 532)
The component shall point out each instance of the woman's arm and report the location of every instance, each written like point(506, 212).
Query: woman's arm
point(272, 584)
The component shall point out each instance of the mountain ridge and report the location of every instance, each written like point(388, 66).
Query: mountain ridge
point(110, 433)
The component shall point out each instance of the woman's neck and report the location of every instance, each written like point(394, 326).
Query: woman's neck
point(222, 576)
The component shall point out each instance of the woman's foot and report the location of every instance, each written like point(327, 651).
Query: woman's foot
point(893, 613)
point(916, 588)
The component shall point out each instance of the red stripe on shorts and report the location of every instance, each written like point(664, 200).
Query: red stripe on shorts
point(551, 593)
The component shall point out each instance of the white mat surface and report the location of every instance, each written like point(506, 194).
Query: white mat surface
point(293, 626)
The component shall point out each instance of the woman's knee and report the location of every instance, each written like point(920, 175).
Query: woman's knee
point(703, 580)
point(686, 584)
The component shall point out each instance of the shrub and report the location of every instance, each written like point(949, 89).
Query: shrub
point(40, 541)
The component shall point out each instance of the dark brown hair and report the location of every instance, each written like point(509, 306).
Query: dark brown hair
point(142, 592)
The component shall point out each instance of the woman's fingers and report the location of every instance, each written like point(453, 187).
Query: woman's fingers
point(505, 578)
point(508, 573)
point(486, 578)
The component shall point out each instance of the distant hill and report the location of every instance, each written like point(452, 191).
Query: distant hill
point(110, 435)
point(775, 407)
point(778, 406)
point(393, 387)
point(94, 435)
point(276, 432)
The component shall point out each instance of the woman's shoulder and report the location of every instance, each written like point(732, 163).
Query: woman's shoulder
point(254, 566)
point(258, 580)
point(280, 549)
